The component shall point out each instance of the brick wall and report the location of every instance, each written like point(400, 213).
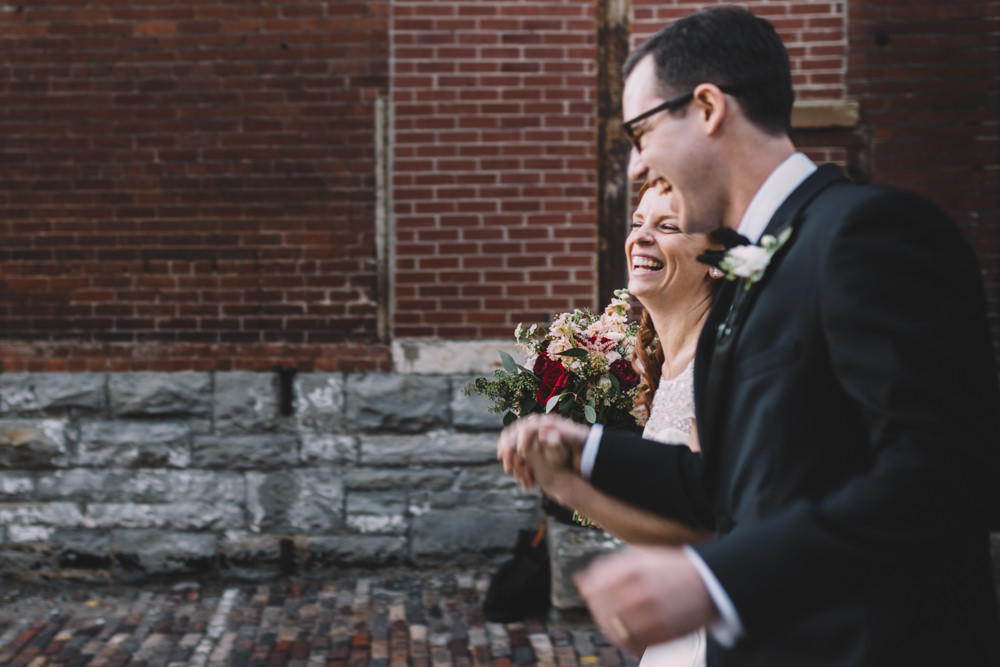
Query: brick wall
point(192, 184)
point(189, 184)
point(815, 34)
point(494, 172)
point(928, 80)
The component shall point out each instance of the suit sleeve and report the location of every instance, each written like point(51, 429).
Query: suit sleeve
point(903, 313)
point(663, 478)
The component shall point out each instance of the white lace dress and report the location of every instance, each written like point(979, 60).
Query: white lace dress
point(670, 421)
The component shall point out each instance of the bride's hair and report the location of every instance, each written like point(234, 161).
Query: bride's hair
point(647, 359)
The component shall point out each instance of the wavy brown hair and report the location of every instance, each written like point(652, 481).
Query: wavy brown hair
point(647, 357)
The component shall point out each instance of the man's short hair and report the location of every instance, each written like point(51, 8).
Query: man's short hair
point(730, 47)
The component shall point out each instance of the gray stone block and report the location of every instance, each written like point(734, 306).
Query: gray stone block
point(435, 448)
point(319, 403)
point(181, 515)
point(29, 534)
point(48, 393)
point(479, 499)
point(16, 486)
point(377, 513)
point(149, 394)
point(390, 402)
point(83, 550)
point(209, 487)
point(82, 485)
point(375, 479)
point(471, 411)
point(571, 549)
point(131, 444)
point(33, 443)
point(140, 554)
point(300, 501)
point(463, 535)
point(18, 562)
point(141, 486)
point(490, 477)
point(244, 452)
point(58, 515)
point(327, 554)
point(328, 448)
point(247, 402)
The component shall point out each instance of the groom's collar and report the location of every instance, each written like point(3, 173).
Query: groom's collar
point(781, 183)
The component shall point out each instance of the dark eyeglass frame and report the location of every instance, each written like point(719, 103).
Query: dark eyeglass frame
point(673, 104)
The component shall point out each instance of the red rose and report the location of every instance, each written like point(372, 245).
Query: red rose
point(554, 377)
point(622, 369)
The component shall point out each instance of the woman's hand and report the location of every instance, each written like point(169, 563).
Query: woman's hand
point(552, 444)
point(551, 466)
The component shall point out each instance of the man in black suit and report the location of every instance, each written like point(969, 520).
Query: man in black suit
point(845, 387)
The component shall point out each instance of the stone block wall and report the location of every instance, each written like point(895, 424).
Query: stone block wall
point(124, 477)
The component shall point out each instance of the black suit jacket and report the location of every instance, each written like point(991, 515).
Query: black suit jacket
point(847, 411)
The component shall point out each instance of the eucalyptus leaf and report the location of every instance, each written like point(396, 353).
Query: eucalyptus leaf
point(551, 403)
point(590, 413)
point(509, 364)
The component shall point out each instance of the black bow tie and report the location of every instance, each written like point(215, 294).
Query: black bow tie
point(730, 238)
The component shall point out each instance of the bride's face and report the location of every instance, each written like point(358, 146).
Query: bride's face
point(661, 259)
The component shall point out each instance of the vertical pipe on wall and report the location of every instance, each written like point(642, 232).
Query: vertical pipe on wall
point(384, 228)
point(612, 147)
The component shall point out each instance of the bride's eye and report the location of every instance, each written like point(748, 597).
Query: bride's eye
point(671, 228)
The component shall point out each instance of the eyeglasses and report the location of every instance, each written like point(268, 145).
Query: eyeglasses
point(673, 104)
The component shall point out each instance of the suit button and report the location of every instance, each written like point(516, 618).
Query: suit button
point(723, 524)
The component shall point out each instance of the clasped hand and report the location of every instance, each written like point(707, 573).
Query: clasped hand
point(536, 449)
point(638, 597)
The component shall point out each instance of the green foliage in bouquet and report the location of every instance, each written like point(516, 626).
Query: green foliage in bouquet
point(580, 368)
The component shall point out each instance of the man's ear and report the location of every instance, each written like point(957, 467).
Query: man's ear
point(712, 106)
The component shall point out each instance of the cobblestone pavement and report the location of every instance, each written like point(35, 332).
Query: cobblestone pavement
point(381, 618)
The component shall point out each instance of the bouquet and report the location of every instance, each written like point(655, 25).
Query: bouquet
point(580, 367)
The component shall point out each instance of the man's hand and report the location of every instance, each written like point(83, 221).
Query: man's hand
point(548, 439)
point(645, 596)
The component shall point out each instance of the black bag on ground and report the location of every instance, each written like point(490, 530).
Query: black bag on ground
point(521, 587)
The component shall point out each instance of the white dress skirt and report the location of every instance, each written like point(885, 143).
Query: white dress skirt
point(670, 421)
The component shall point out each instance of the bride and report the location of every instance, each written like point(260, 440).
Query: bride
point(676, 292)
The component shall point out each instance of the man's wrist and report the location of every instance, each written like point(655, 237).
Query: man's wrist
point(727, 629)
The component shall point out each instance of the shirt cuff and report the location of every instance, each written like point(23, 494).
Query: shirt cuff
point(728, 629)
point(589, 454)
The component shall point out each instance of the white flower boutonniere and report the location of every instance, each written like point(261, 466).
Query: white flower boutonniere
point(748, 262)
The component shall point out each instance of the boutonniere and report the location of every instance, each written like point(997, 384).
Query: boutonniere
point(748, 262)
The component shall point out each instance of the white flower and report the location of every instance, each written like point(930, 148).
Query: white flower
point(750, 261)
point(746, 261)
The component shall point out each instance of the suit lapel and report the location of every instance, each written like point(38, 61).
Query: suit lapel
point(713, 365)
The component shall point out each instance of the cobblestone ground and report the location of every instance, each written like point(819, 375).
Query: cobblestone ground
point(381, 618)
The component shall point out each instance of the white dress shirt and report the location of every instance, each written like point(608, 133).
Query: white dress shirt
point(775, 190)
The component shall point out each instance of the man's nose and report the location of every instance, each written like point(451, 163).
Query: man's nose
point(636, 167)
